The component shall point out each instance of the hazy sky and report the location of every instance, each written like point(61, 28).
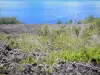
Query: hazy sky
point(49, 0)
point(13, 3)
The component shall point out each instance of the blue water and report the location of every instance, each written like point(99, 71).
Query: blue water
point(51, 12)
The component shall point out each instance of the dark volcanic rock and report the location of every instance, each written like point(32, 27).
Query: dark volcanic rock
point(77, 69)
point(28, 70)
point(10, 58)
point(94, 62)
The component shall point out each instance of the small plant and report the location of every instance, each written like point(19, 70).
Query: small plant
point(77, 31)
point(48, 71)
point(12, 43)
point(5, 37)
point(28, 60)
point(39, 31)
point(46, 30)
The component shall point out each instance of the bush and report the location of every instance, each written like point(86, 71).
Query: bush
point(5, 38)
point(90, 18)
point(59, 22)
point(81, 55)
point(70, 21)
point(76, 30)
point(44, 32)
point(58, 43)
point(9, 20)
point(96, 24)
point(28, 60)
point(79, 22)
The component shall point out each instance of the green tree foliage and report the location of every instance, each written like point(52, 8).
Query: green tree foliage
point(59, 22)
point(79, 22)
point(9, 20)
point(90, 18)
point(70, 21)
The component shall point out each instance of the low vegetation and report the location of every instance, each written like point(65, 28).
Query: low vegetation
point(64, 43)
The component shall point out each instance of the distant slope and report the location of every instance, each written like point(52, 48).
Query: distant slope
point(31, 28)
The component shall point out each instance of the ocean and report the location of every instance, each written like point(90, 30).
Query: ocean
point(51, 12)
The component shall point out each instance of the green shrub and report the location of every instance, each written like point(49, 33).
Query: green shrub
point(76, 30)
point(79, 22)
point(70, 21)
point(60, 42)
point(12, 43)
point(59, 22)
point(87, 33)
point(28, 60)
point(65, 41)
point(95, 24)
point(81, 55)
point(9, 20)
point(5, 37)
point(90, 18)
point(39, 31)
point(46, 30)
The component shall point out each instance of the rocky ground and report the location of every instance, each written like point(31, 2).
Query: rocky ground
point(13, 29)
point(10, 61)
point(10, 58)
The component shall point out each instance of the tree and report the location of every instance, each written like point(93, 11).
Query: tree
point(70, 21)
point(90, 18)
point(59, 22)
point(9, 20)
point(79, 22)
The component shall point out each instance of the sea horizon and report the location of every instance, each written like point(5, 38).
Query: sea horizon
point(41, 12)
